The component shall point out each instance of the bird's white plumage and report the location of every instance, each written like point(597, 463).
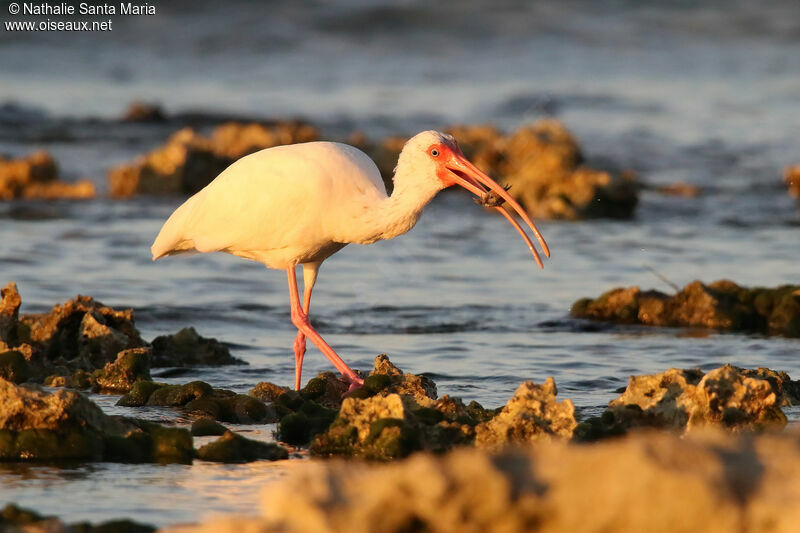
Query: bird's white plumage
point(282, 206)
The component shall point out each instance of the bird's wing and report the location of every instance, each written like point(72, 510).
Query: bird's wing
point(287, 196)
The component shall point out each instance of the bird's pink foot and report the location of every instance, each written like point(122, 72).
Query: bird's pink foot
point(355, 383)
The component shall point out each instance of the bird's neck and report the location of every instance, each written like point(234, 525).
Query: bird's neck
point(399, 212)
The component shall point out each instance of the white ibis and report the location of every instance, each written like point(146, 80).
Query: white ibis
point(298, 204)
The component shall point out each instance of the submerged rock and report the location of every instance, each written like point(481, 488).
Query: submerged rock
point(233, 448)
point(657, 483)
point(531, 415)
point(187, 348)
point(792, 179)
point(202, 398)
point(685, 400)
point(189, 161)
point(65, 425)
point(36, 176)
point(722, 305)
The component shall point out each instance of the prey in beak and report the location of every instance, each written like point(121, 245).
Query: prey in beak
point(455, 169)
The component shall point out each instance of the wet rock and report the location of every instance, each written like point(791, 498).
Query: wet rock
point(792, 178)
point(36, 176)
point(130, 366)
point(531, 415)
point(266, 391)
point(201, 398)
point(81, 333)
point(386, 378)
point(14, 519)
point(657, 483)
point(679, 188)
point(203, 427)
point(544, 167)
point(14, 367)
point(233, 448)
point(10, 302)
point(327, 389)
point(65, 425)
point(379, 427)
point(189, 161)
point(140, 111)
point(685, 400)
point(80, 379)
point(187, 348)
point(722, 305)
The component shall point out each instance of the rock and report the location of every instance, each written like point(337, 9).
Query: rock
point(722, 305)
point(304, 422)
point(386, 378)
point(130, 366)
point(266, 391)
point(144, 112)
point(379, 427)
point(531, 415)
point(81, 333)
point(792, 179)
point(14, 519)
point(189, 161)
point(65, 425)
point(202, 398)
point(9, 315)
point(685, 400)
point(657, 483)
point(13, 366)
point(36, 177)
point(233, 448)
point(679, 188)
point(203, 427)
point(187, 348)
point(80, 379)
point(543, 166)
point(327, 389)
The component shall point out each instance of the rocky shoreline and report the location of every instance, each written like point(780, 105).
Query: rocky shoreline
point(399, 417)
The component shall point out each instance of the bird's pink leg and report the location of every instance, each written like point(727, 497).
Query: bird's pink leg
point(300, 320)
point(300, 340)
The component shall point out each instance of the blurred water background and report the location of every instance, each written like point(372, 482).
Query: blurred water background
point(705, 94)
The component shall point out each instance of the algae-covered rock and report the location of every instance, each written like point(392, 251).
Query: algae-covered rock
point(654, 483)
point(187, 348)
point(233, 448)
point(421, 388)
point(65, 425)
point(119, 376)
point(203, 427)
point(722, 305)
point(200, 397)
point(36, 176)
point(532, 414)
point(379, 427)
point(306, 421)
point(266, 391)
point(684, 400)
point(189, 161)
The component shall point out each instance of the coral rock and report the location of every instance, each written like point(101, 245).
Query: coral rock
point(531, 415)
point(36, 176)
point(233, 448)
point(187, 348)
point(792, 179)
point(119, 376)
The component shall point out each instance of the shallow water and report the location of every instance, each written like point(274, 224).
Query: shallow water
point(707, 96)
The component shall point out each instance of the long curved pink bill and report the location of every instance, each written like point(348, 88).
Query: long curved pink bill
point(521, 232)
point(476, 174)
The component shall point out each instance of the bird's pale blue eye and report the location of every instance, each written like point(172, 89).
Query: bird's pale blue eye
point(435, 152)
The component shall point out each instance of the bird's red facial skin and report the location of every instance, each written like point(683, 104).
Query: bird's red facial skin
point(445, 155)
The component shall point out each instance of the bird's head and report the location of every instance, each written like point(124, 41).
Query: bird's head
point(437, 155)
